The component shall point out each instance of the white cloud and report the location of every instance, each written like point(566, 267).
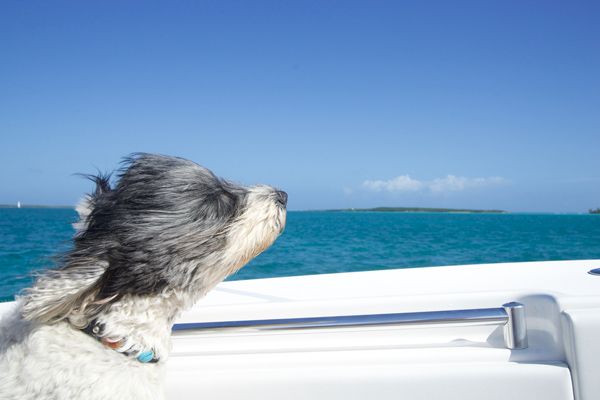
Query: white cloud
point(402, 183)
point(450, 183)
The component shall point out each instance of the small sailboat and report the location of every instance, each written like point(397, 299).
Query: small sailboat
point(18, 204)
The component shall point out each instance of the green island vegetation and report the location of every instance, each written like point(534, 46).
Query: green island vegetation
point(592, 211)
point(422, 209)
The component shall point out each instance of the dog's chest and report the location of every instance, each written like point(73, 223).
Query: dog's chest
point(58, 362)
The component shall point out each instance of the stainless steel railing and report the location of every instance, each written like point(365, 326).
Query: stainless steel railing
point(510, 315)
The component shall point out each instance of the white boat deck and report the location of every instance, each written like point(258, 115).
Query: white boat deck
point(562, 304)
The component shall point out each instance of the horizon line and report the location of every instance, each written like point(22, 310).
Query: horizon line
point(440, 210)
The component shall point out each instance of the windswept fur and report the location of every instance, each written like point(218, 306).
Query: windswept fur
point(70, 289)
point(87, 204)
point(146, 248)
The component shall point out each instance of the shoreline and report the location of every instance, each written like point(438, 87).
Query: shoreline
point(420, 209)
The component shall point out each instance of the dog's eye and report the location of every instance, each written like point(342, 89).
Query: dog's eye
point(226, 203)
point(218, 205)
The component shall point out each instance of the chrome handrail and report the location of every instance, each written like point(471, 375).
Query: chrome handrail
point(510, 315)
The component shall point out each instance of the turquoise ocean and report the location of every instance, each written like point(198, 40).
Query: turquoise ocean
point(316, 242)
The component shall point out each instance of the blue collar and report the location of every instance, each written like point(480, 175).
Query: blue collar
point(121, 345)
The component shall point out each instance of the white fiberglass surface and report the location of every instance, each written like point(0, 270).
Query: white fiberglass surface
point(461, 362)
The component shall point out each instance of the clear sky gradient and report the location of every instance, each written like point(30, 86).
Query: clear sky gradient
point(480, 104)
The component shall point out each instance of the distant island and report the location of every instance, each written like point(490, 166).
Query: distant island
point(422, 209)
point(32, 206)
point(596, 211)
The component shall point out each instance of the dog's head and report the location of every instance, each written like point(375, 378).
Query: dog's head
point(168, 227)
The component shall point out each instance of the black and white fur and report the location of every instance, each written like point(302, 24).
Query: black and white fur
point(145, 250)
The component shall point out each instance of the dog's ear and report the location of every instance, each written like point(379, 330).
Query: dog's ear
point(70, 291)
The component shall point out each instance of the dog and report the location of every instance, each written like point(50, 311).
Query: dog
point(99, 326)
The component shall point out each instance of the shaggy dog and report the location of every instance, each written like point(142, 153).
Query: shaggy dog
point(99, 326)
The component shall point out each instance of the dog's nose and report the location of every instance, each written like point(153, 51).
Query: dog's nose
point(281, 197)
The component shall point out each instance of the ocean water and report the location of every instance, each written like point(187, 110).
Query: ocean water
point(325, 242)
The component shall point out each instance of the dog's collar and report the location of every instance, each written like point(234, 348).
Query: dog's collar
point(122, 345)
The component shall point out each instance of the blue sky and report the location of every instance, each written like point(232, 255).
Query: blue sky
point(483, 104)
